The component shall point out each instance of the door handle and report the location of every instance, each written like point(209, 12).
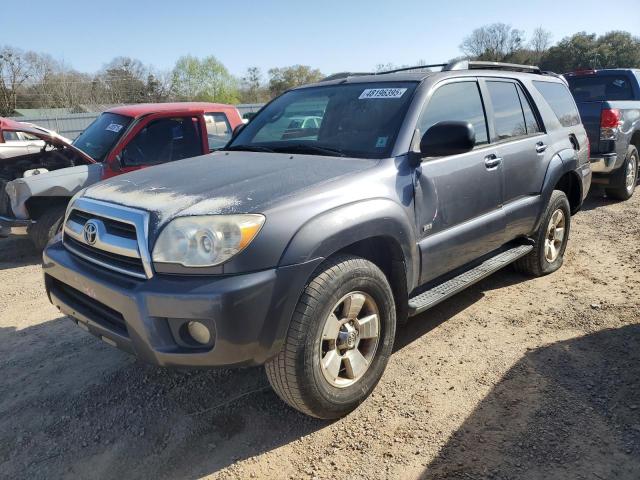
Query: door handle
point(492, 161)
point(540, 147)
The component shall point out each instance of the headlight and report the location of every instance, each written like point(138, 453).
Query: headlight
point(205, 241)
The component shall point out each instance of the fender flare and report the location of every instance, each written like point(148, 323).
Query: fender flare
point(563, 162)
point(351, 223)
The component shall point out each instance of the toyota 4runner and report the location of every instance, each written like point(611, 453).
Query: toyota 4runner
point(302, 246)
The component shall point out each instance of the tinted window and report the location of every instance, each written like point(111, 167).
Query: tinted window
point(163, 141)
point(507, 111)
point(218, 130)
point(353, 119)
point(559, 99)
point(11, 136)
point(459, 101)
point(529, 117)
point(594, 88)
point(99, 137)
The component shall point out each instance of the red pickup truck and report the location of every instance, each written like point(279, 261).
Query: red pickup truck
point(36, 187)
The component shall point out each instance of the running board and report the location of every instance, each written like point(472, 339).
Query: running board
point(444, 290)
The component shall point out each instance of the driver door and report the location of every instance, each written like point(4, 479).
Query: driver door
point(157, 139)
point(458, 198)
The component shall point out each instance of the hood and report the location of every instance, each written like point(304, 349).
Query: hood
point(222, 183)
point(53, 138)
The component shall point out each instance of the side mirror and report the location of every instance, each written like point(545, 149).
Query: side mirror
point(237, 130)
point(448, 138)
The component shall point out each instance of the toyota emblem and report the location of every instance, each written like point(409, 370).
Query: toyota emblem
point(90, 232)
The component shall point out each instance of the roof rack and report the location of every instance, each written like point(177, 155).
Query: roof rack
point(447, 67)
point(477, 65)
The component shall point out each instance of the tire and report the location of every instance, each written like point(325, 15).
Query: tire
point(625, 178)
point(543, 259)
point(47, 226)
point(342, 284)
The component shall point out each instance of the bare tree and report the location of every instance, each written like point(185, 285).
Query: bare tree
point(539, 43)
point(493, 42)
point(15, 70)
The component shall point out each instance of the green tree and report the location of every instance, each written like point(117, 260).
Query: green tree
point(282, 79)
point(252, 89)
point(583, 50)
point(203, 79)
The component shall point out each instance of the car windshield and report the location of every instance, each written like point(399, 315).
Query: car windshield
point(600, 88)
point(352, 120)
point(99, 137)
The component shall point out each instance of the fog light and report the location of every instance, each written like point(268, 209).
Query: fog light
point(199, 332)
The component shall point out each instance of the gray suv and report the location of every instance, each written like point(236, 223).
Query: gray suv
point(302, 247)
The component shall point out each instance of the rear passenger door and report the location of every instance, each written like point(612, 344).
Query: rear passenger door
point(458, 198)
point(523, 147)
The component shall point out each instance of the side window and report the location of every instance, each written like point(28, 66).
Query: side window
point(11, 136)
point(218, 130)
point(507, 111)
point(529, 117)
point(458, 101)
point(561, 102)
point(163, 140)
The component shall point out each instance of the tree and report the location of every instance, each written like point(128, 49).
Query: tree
point(15, 70)
point(252, 89)
point(203, 79)
point(282, 79)
point(539, 43)
point(495, 42)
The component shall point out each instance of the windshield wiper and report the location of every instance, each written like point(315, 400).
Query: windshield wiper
point(334, 152)
point(249, 148)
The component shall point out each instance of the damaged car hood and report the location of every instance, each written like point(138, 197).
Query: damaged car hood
point(222, 183)
point(48, 136)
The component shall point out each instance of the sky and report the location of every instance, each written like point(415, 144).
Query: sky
point(331, 35)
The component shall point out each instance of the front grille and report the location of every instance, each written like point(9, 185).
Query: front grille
point(134, 265)
point(114, 227)
point(89, 307)
point(107, 235)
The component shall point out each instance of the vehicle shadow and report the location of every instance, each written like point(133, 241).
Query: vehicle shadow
point(567, 410)
point(71, 405)
point(18, 251)
point(597, 199)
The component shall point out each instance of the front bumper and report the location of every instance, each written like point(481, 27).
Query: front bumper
point(10, 222)
point(248, 314)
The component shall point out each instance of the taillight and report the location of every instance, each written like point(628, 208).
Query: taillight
point(610, 120)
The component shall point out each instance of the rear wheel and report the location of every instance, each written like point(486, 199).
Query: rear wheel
point(625, 179)
point(551, 239)
point(339, 341)
point(47, 226)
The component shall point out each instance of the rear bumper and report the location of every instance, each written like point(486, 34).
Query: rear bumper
point(248, 314)
point(606, 163)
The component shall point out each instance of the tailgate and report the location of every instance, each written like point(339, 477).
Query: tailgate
point(590, 115)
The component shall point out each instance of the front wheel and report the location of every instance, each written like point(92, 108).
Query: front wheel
point(550, 239)
point(47, 226)
point(339, 341)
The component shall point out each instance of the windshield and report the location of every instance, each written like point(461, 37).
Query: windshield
point(352, 120)
point(600, 88)
point(99, 137)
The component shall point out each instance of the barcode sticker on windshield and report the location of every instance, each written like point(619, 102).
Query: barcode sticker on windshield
point(114, 127)
point(382, 93)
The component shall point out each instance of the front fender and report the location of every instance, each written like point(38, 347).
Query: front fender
point(65, 182)
point(333, 230)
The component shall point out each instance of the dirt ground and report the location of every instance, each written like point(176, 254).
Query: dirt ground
point(514, 378)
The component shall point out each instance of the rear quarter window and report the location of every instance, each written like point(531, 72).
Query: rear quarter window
point(561, 102)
